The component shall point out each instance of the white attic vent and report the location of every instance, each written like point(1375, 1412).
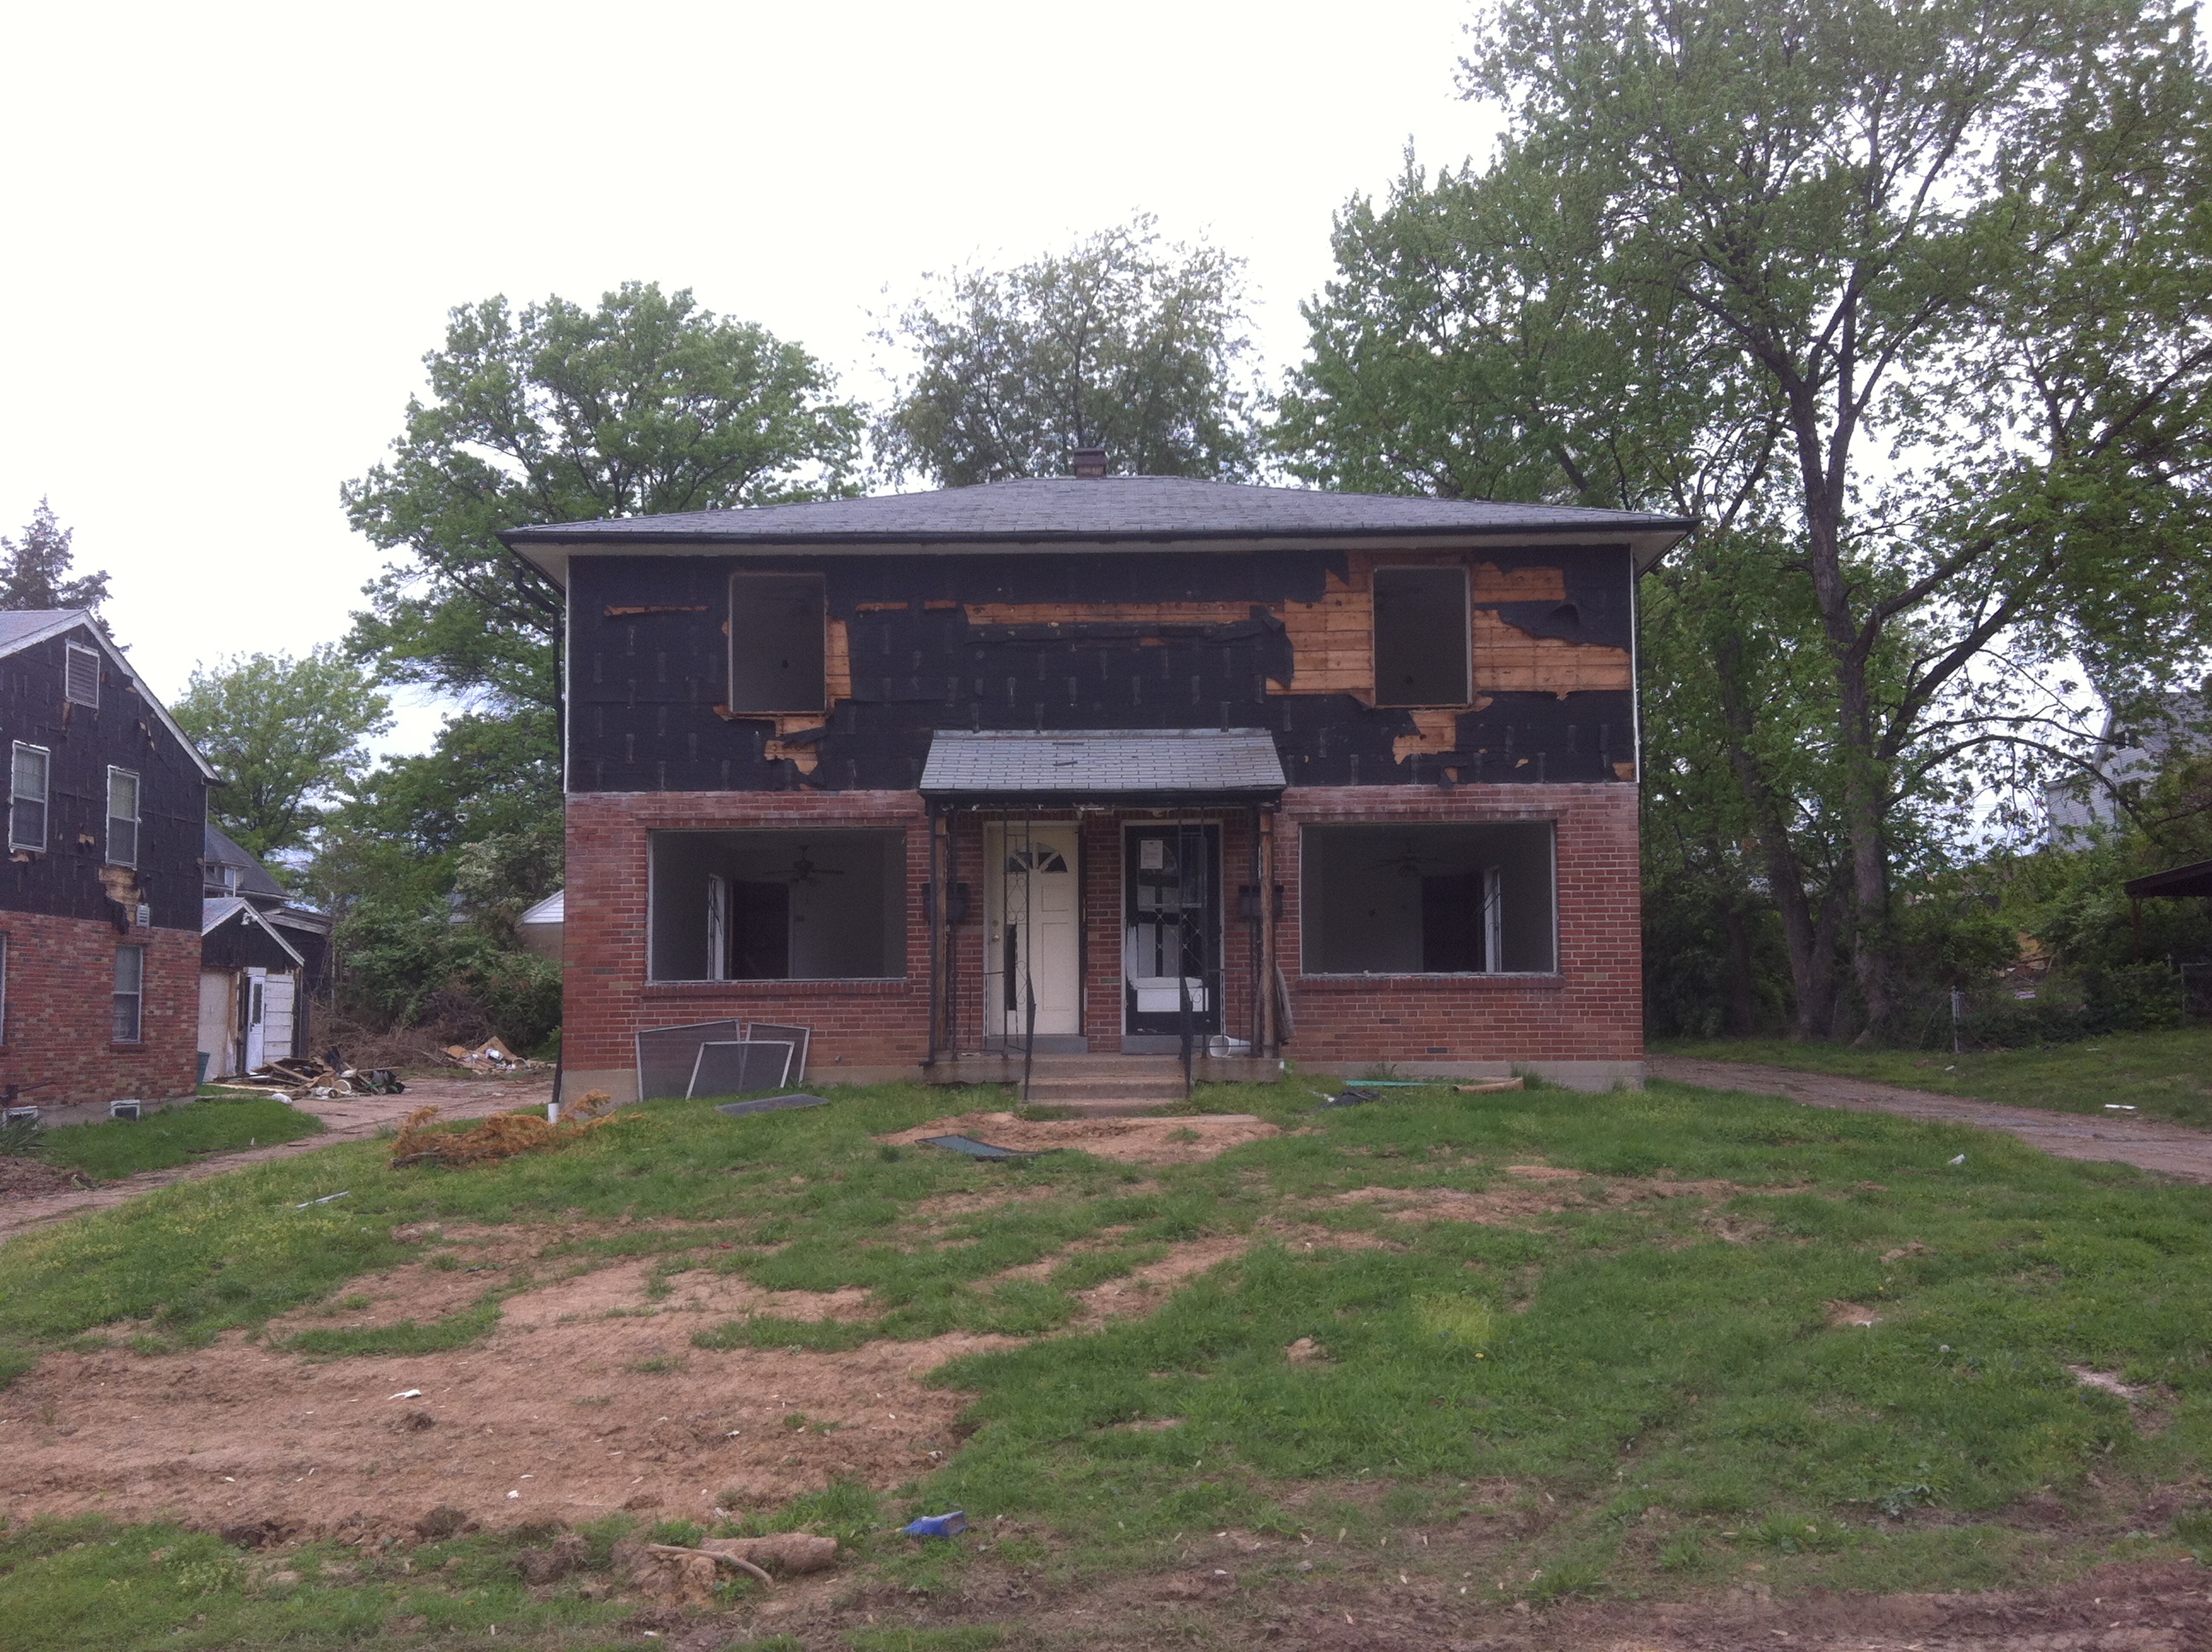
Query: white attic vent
point(80, 676)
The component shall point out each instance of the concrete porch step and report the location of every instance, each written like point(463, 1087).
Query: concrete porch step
point(1105, 1086)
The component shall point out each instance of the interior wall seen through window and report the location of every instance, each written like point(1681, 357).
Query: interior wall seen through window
point(778, 905)
point(1427, 900)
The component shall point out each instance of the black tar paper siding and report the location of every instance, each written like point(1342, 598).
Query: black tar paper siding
point(642, 687)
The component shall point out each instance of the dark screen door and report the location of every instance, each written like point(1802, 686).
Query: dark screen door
point(1171, 928)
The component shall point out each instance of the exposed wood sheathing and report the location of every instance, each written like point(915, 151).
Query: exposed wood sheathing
point(1281, 640)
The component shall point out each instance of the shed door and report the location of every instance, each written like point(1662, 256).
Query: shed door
point(276, 1037)
point(215, 1023)
point(252, 1007)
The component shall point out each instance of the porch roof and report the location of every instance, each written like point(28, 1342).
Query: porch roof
point(1118, 765)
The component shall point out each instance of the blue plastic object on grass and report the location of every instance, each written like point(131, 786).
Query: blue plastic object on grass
point(950, 1525)
point(972, 1148)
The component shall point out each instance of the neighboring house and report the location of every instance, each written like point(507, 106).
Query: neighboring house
point(2129, 752)
point(949, 776)
point(539, 928)
point(261, 960)
point(100, 898)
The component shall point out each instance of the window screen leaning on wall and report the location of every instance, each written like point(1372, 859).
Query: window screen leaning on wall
point(1427, 900)
point(777, 648)
point(778, 906)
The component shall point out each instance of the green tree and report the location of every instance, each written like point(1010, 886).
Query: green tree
point(286, 736)
point(1922, 287)
point(35, 571)
point(648, 403)
point(1121, 342)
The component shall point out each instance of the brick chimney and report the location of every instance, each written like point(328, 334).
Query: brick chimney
point(1090, 461)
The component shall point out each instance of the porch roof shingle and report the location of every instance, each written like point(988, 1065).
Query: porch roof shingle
point(1103, 764)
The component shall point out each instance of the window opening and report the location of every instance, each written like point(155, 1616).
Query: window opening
point(778, 905)
point(778, 646)
point(28, 773)
point(80, 676)
point(122, 818)
point(1429, 900)
point(130, 993)
point(1421, 636)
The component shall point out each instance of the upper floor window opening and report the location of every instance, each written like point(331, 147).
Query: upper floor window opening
point(779, 651)
point(80, 676)
point(1422, 637)
point(122, 818)
point(28, 773)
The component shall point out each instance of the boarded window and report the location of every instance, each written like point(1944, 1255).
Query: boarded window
point(1421, 636)
point(27, 797)
point(80, 676)
point(130, 993)
point(777, 625)
point(122, 818)
point(778, 905)
point(1427, 900)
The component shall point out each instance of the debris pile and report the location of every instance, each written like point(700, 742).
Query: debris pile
point(300, 1078)
point(503, 1135)
point(492, 1056)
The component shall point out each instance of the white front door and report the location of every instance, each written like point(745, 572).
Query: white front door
point(1032, 929)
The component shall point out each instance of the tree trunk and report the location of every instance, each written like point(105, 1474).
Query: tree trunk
point(1811, 943)
point(1742, 1002)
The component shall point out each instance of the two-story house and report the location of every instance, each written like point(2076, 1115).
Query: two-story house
point(100, 897)
point(1092, 764)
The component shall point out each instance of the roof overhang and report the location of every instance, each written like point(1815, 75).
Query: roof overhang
point(66, 619)
point(545, 549)
point(2175, 883)
point(1136, 768)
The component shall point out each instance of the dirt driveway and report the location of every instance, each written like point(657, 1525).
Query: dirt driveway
point(2171, 1148)
point(345, 1117)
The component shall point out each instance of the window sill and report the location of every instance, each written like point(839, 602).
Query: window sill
point(1502, 978)
point(864, 985)
point(118, 1046)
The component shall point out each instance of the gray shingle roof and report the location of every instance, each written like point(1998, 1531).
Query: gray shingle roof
point(1103, 764)
point(253, 877)
point(1148, 508)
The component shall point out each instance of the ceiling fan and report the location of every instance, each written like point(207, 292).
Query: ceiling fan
point(1406, 864)
point(804, 871)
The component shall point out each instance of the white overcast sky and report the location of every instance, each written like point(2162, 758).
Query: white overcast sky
point(232, 232)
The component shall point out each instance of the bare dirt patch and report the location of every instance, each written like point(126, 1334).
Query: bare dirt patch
point(1131, 1141)
point(29, 1178)
point(588, 1398)
point(1851, 1316)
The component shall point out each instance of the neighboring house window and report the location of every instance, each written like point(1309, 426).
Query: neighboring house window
point(122, 818)
point(778, 643)
point(130, 993)
point(1428, 900)
point(778, 905)
point(28, 774)
point(80, 676)
point(1421, 636)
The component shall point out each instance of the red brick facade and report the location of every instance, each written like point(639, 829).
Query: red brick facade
point(1589, 1012)
point(57, 1038)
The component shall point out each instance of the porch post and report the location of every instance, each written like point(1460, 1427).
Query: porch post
point(937, 916)
point(1267, 982)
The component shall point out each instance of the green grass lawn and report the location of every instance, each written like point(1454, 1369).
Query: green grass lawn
point(1632, 1395)
point(2165, 1075)
point(121, 1147)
